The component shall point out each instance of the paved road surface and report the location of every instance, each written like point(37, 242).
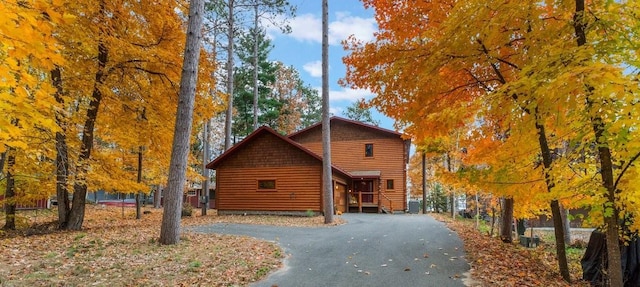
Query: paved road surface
point(369, 250)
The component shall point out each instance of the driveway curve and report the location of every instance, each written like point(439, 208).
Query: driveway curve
point(369, 250)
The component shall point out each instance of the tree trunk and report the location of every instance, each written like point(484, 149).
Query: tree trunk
point(255, 68)
point(611, 211)
point(157, 196)
point(76, 216)
point(62, 154)
point(228, 122)
point(507, 219)
point(170, 228)
point(327, 185)
point(138, 204)
point(558, 225)
point(566, 223)
point(10, 192)
point(424, 182)
point(453, 204)
point(493, 220)
point(205, 172)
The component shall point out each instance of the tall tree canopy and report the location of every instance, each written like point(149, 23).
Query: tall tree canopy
point(103, 78)
point(540, 89)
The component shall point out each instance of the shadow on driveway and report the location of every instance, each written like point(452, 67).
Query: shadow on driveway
point(369, 250)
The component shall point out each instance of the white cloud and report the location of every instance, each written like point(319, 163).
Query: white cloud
point(313, 68)
point(346, 25)
point(350, 95)
point(308, 28)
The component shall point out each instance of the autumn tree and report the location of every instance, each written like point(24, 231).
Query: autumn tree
point(300, 103)
point(436, 75)
point(28, 51)
point(128, 86)
point(513, 74)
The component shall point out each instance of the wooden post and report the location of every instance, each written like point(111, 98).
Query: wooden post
point(360, 201)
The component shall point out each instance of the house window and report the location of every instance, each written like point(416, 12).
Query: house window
point(266, 184)
point(389, 183)
point(191, 192)
point(368, 150)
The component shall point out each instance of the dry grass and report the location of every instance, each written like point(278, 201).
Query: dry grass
point(115, 249)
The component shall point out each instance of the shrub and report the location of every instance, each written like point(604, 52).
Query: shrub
point(187, 210)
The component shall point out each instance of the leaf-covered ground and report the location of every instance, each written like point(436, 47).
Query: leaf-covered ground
point(494, 263)
point(115, 249)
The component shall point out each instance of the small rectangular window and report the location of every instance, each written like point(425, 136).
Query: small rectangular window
point(266, 184)
point(368, 150)
point(191, 192)
point(389, 183)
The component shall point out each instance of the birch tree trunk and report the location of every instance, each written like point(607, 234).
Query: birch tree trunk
point(170, 229)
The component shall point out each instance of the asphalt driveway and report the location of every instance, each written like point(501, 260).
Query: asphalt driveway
point(369, 250)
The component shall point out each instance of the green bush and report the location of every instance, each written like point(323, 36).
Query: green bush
point(187, 210)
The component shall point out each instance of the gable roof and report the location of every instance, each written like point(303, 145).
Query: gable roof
point(267, 130)
point(357, 123)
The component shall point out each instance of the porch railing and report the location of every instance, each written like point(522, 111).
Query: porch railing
point(385, 199)
point(372, 199)
point(356, 199)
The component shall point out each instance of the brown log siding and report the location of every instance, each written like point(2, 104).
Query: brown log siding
point(297, 174)
point(268, 151)
point(297, 189)
point(347, 151)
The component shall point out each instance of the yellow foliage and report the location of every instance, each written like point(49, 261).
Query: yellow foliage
point(493, 76)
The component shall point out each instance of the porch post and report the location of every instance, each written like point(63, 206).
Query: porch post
point(360, 201)
point(379, 194)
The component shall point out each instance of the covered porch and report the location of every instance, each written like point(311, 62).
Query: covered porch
point(362, 193)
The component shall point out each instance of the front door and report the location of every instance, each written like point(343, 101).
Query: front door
point(340, 198)
point(365, 188)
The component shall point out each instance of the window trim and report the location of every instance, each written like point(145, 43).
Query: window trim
point(366, 153)
point(393, 186)
point(260, 189)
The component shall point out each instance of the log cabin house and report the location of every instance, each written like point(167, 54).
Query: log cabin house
point(267, 173)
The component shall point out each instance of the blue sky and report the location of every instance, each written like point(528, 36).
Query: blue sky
point(302, 48)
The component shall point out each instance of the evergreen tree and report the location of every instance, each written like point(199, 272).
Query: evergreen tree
point(358, 112)
point(243, 91)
